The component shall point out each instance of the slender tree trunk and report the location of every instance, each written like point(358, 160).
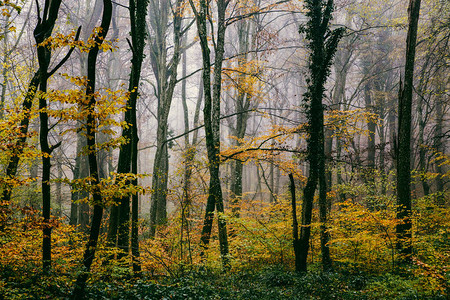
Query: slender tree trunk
point(78, 214)
point(404, 227)
point(135, 198)
point(322, 43)
point(18, 148)
point(119, 222)
point(83, 208)
point(211, 113)
point(135, 205)
point(91, 122)
point(166, 77)
point(243, 100)
point(46, 165)
point(294, 223)
point(369, 171)
point(42, 31)
point(439, 146)
point(190, 151)
point(138, 13)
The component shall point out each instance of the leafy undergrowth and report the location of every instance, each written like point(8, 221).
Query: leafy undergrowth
point(261, 258)
point(270, 283)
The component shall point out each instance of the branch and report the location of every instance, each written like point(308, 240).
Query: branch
point(121, 5)
point(77, 36)
point(38, 10)
point(55, 146)
point(262, 149)
point(248, 15)
point(130, 45)
point(197, 128)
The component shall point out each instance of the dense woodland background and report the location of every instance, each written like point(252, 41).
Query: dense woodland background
point(197, 149)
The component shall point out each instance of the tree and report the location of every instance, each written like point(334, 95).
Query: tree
point(404, 227)
point(322, 45)
point(246, 30)
point(119, 226)
point(81, 165)
point(137, 17)
point(89, 253)
point(211, 115)
point(42, 31)
point(17, 149)
point(165, 71)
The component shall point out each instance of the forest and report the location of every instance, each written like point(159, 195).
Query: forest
point(224, 149)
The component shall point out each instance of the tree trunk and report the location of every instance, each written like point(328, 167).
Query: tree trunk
point(243, 101)
point(17, 149)
point(83, 208)
point(294, 223)
point(42, 31)
point(404, 227)
point(119, 222)
point(211, 113)
point(369, 170)
point(138, 13)
point(91, 124)
point(322, 43)
point(439, 144)
point(190, 151)
point(166, 77)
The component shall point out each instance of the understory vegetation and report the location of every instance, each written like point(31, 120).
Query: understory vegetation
point(261, 258)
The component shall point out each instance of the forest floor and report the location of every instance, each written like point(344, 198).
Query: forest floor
point(270, 283)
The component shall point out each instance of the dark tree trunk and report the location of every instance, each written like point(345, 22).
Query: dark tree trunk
point(211, 113)
point(138, 13)
point(404, 227)
point(369, 170)
point(91, 127)
point(135, 206)
point(322, 44)
point(294, 222)
point(83, 207)
point(43, 31)
point(119, 222)
point(371, 126)
point(439, 146)
point(17, 149)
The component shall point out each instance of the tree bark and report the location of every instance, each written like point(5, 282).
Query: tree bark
point(242, 105)
point(439, 144)
point(322, 44)
point(91, 124)
point(42, 31)
point(404, 227)
point(166, 77)
point(295, 239)
point(211, 114)
point(119, 222)
point(17, 149)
